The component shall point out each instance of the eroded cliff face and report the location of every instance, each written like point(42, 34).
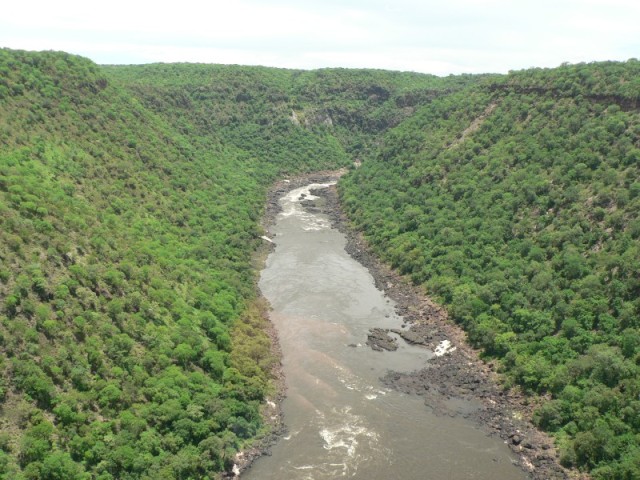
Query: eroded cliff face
point(311, 118)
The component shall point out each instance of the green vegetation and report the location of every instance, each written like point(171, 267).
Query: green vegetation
point(516, 203)
point(123, 275)
point(285, 116)
point(131, 343)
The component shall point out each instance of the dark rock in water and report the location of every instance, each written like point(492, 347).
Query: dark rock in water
point(379, 340)
point(311, 206)
point(414, 337)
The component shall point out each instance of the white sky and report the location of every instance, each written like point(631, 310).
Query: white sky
point(439, 37)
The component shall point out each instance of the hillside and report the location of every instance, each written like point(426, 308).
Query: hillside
point(284, 116)
point(516, 203)
point(132, 342)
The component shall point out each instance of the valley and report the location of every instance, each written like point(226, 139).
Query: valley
point(134, 342)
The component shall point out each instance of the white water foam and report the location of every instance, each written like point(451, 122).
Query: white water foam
point(353, 382)
point(291, 206)
point(443, 348)
point(347, 435)
point(291, 434)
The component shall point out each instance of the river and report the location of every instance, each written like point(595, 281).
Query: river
point(341, 422)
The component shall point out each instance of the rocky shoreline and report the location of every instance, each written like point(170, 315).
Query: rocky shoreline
point(459, 382)
point(455, 383)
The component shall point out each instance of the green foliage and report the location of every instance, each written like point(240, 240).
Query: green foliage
point(129, 206)
point(515, 202)
point(295, 119)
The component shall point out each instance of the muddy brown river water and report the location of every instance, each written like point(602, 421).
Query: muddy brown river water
point(341, 422)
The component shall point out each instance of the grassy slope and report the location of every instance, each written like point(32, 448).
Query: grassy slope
point(516, 203)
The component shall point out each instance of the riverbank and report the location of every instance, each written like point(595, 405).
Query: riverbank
point(455, 383)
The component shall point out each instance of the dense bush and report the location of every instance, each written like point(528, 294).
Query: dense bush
point(515, 202)
point(130, 200)
point(130, 197)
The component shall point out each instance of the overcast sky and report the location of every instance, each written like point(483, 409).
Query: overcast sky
point(439, 37)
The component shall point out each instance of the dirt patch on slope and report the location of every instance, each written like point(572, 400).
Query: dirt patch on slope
point(475, 125)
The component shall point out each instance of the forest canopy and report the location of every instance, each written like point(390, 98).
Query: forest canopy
point(515, 203)
point(132, 342)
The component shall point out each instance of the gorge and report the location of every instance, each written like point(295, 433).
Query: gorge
point(134, 344)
